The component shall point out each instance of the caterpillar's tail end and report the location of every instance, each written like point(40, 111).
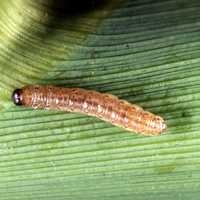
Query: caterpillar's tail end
point(17, 97)
point(163, 127)
point(159, 126)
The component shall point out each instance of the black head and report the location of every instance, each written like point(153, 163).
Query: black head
point(17, 97)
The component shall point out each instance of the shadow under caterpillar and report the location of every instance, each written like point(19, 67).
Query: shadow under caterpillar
point(104, 106)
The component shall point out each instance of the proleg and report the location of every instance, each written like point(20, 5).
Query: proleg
point(103, 106)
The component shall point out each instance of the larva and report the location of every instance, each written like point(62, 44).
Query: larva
point(104, 106)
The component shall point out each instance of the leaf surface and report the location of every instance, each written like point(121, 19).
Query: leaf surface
point(145, 51)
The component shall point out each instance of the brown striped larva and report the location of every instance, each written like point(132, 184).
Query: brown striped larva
point(104, 106)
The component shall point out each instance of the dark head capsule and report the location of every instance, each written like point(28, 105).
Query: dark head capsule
point(17, 97)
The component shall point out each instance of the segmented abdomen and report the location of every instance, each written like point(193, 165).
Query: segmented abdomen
point(104, 106)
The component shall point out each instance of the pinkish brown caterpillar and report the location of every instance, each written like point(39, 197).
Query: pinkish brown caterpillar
point(104, 106)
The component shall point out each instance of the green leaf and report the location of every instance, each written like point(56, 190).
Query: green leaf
point(145, 51)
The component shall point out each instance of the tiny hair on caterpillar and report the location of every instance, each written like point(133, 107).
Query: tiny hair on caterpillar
point(101, 105)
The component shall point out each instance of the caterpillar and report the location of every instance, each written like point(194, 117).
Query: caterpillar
point(101, 105)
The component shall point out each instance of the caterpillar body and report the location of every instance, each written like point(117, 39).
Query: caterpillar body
point(104, 106)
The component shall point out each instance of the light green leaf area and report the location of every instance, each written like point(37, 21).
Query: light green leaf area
point(144, 51)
